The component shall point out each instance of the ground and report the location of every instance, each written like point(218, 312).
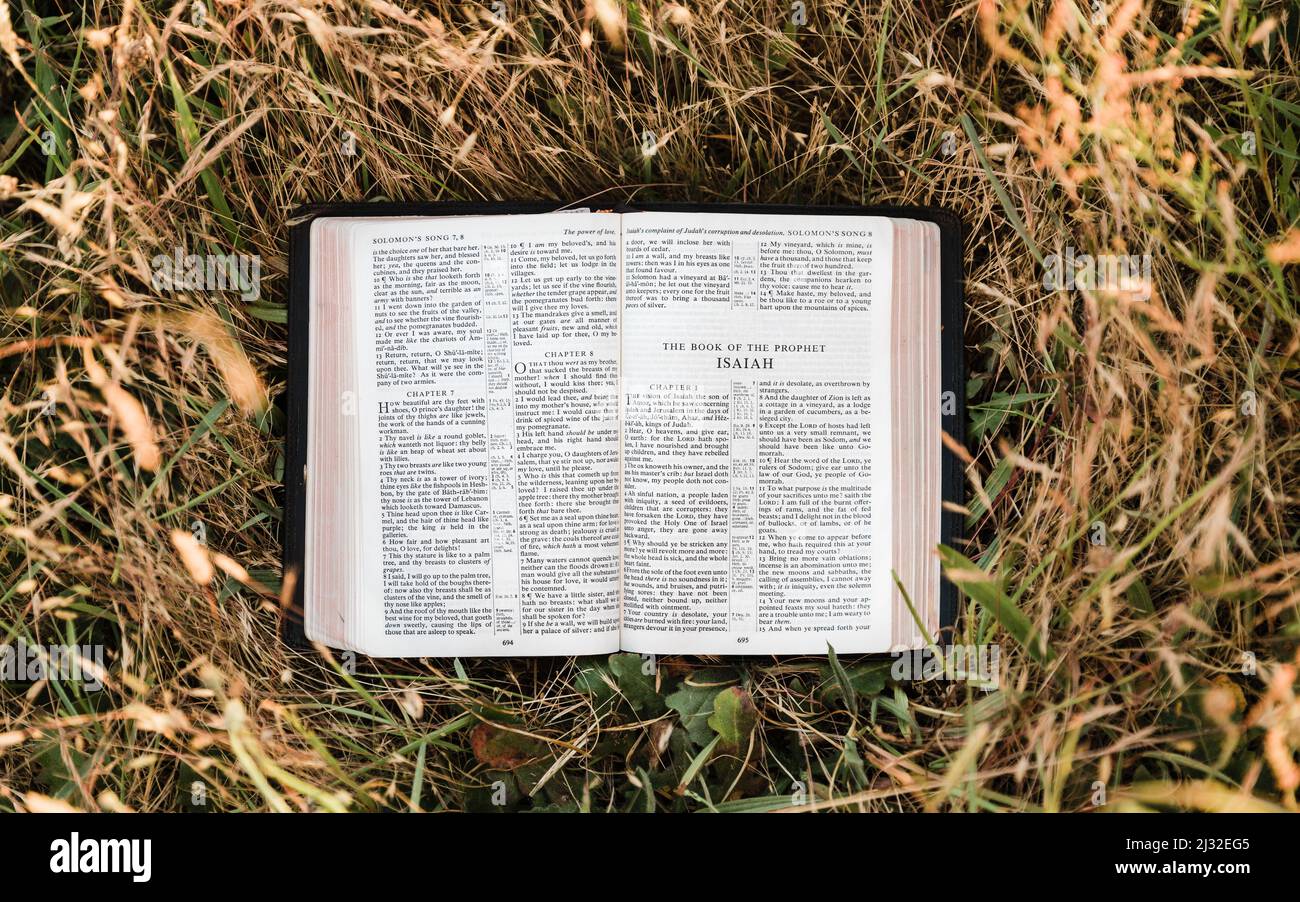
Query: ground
point(1132, 455)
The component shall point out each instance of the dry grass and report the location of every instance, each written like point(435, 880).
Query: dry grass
point(1165, 411)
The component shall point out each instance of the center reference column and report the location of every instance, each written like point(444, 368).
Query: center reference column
point(502, 476)
point(742, 534)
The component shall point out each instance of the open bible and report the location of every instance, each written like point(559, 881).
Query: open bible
point(674, 430)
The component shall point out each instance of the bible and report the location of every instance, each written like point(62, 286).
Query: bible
point(677, 429)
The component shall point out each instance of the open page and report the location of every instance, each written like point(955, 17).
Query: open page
point(756, 433)
point(488, 351)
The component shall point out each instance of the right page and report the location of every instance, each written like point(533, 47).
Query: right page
point(756, 442)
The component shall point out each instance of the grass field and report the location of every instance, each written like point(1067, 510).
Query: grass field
point(1133, 449)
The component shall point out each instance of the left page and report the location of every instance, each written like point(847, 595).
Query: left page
point(488, 351)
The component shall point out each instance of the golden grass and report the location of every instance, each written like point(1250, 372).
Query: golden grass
point(1165, 410)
